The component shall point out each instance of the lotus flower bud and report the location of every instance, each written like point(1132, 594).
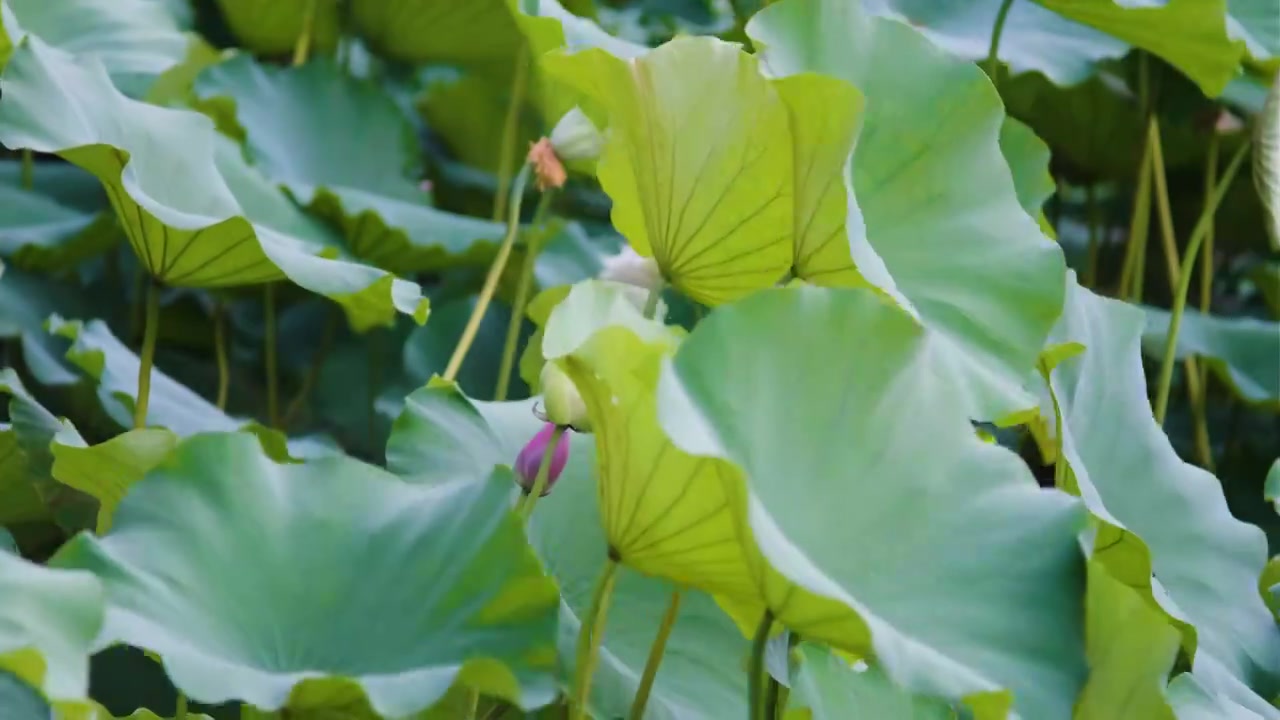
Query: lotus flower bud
point(632, 268)
point(529, 461)
point(563, 404)
point(575, 137)
point(548, 171)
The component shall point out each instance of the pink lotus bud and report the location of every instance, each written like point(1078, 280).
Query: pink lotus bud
point(530, 459)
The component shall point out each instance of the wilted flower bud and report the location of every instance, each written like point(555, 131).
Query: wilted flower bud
point(529, 461)
point(632, 268)
point(563, 404)
point(547, 168)
point(575, 137)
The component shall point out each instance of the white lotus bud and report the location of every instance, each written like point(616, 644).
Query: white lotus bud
point(632, 268)
point(562, 402)
point(575, 137)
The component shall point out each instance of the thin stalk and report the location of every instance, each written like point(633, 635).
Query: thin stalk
point(269, 354)
point(784, 691)
point(1184, 281)
point(1095, 235)
point(220, 352)
point(1206, 256)
point(756, 670)
point(313, 372)
point(28, 169)
point(510, 131)
point(656, 651)
point(181, 712)
point(150, 331)
point(651, 302)
point(1139, 223)
point(302, 47)
point(1173, 268)
point(521, 300)
point(590, 637)
point(993, 53)
point(491, 280)
point(525, 509)
point(473, 703)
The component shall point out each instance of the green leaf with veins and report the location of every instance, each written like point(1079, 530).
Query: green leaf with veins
point(350, 164)
point(1242, 352)
point(166, 179)
point(701, 675)
point(1163, 527)
point(936, 222)
point(365, 581)
point(830, 688)
point(959, 511)
point(272, 27)
point(707, 194)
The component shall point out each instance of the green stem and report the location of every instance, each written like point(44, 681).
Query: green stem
point(1095, 233)
point(302, 47)
point(510, 131)
point(1184, 282)
point(756, 670)
point(784, 691)
point(269, 354)
point(473, 703)
point(313, 372)
point(525, 509)
point(589, 638)
point(181, 712)
point(1206, 257)
point(150, 331)
point(656, 651)
point(651, 302)
point(1136, 249)
point(220, 353)
point(993, 53)
point(28, 169)
point(521, 300)
point(491, 280)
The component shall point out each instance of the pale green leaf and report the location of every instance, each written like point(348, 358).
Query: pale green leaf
point(1244, 353)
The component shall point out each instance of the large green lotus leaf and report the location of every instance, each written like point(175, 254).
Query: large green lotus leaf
point(701, 677)
point(1131, 647)
point(1193, 699)
point(1034, 38)
point(1257, 24)
point(1163, 525)
point(1243, 352)
point(696, 162)
point(479, 32)
point(65, 183)
point(350, 163)
point(863, 469)
point(106, 471)
point(548, 26)
point(132, 38)
point(829, 687)
point(357, 578)
point(188, 224)
point(941, 228)
point(272, 27)
point(1028, 158)
point(26, 301)
point(57, 612)
point(439, 436)
point(7, 543)
point(1191, 35)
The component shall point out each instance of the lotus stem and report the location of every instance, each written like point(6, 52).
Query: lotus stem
point(491, 280)
point(28, 169)
point(510, 131)
point(313, 372)
point(525, 508)
point(150, 331)
point(1134, 271)
point(220, 352)
point(473, 703)
point(269, 354)
point(1206, 256)
point(181, 712)
point(651, 302)
point(993, 53)
point(656, 651)
point(784, 691)
point(1095, 232)
point(1184, 281)
point(1172, 266)
point(756, 669)
point(302, 47)
point(521, 300)
point(590, 636)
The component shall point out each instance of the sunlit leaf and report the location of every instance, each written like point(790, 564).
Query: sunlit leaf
point(1164, 528)
point(107, 470)
point(272, 27)
point(1242, 352)
point(357, 578)
point(849, 437)
point(941, 228)
point(186, 222)
point(479, 32)
point(351, 163)
point(697, 162)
